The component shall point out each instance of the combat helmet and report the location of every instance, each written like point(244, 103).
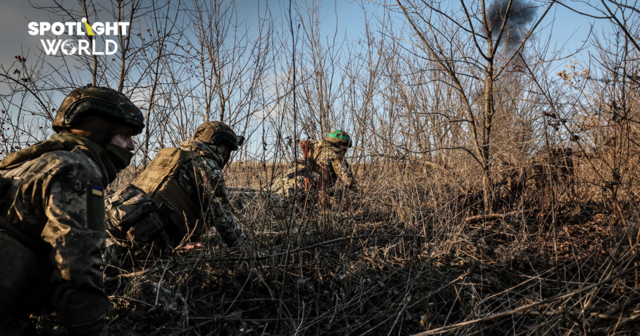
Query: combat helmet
point(97, 101)
point(339, 137)
point(216, 133)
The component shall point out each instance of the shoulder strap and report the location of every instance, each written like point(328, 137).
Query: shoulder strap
point(190, 155)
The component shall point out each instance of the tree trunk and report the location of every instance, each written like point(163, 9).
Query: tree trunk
point(486, 138)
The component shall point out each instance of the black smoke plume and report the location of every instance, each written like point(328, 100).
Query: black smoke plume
point(520, 15)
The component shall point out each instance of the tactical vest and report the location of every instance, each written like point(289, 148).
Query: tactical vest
point(160, 181)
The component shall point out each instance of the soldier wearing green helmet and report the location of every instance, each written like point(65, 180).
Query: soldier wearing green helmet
point(339, 138)
point(324, 168)
point(190, 181)
point(52, 220)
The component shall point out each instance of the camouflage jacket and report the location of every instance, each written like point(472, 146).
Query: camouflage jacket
point(333, 167)
point(202, 180)
point(58, 211)
point(327, 165)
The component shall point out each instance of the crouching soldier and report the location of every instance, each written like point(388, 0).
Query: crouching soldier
point(52, 219)
point(324, 168)
point(186, 186)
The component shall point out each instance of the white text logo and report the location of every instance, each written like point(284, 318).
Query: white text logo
point(79, 46)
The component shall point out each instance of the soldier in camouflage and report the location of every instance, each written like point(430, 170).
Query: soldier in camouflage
point(325, 169)
point(52, 220)
point(190, 181)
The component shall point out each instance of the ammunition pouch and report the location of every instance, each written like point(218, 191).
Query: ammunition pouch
point(149, 227)
point(133, 212)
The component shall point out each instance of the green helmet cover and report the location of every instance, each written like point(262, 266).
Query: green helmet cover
point(339, 137)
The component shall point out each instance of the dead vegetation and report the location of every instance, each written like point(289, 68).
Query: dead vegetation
point(408, 254)
point(498, 194)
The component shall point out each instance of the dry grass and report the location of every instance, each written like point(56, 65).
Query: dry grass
point(408, 254)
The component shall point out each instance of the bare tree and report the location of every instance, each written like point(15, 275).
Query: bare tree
point(456, 40)
point(230, 63)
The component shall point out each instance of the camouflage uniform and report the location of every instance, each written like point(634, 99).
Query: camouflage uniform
point(52, 231)
point(255, 199)
point(190, 180)
point(59, 217)
point(203, 181)
point(326, 170)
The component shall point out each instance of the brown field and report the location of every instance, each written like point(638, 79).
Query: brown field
point(496, 147)
point(410, 252)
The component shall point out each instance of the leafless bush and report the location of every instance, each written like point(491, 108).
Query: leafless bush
point(496, 194)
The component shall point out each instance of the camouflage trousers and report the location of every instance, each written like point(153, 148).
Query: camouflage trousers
point(292, 184)
point(244, 197)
